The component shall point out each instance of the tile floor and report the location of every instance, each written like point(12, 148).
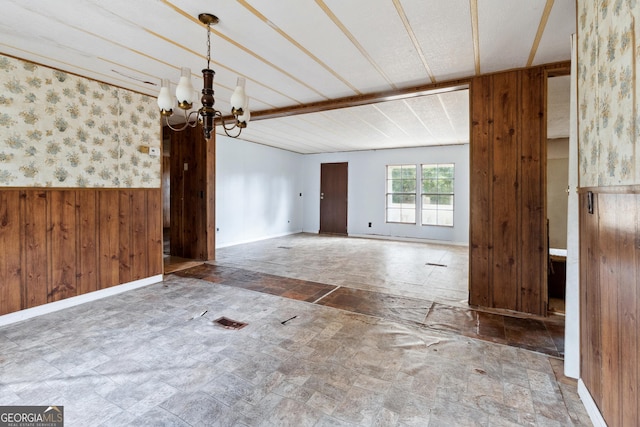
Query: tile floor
point(151, 357)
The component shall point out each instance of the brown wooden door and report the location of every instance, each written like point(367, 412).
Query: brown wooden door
point(333, 197)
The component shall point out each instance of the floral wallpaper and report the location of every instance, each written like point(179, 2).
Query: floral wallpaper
point(608, 109)
point(61, 130)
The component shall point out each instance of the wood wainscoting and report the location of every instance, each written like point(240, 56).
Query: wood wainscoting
point(59, 243)
point(609, 306)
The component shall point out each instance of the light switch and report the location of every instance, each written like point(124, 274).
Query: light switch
point(154, 151)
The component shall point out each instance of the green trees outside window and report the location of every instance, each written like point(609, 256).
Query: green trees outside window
point(436, 184)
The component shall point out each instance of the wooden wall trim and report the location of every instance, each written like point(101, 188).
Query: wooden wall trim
point(64, 243)
point(617, 189)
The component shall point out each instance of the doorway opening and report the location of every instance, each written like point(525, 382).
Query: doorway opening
point(558, 97)
point(172, 219)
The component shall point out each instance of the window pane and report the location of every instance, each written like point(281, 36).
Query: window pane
point(429, 217)
point(445, 186)
point(408, 186)
point(429, 201)
point(445, 171)
point(394, 200)
point(429, 171)
point(394, 215)
point(409, 216)
point(394, 172)
point(409, 201)
point(445, 218)
point(437, 196)
point(429, 186)
point(445, 202)
point(401, 193)
point(409, 172)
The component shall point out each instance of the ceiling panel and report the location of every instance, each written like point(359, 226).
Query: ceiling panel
point(384, 38)
point(295, 52)
point(497, 19)
point(309, 25)
point(555, 43)
point(444, 32)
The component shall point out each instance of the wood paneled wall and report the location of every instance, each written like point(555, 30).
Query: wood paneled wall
point(61, 243)
point(508, 240)
point(166, 191)
point(192, 196)
point(609, 306)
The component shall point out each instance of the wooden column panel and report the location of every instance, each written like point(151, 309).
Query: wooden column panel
point(10, 270)
point(481, 193)
point(504, 219)
point(63, 238)
point(124, 236)
point(138, 252)
point(192, 195)
point(508, 250)
point(627, 237)
point(87, 214)
point(166, 191)
point(533, 193)
point(36, 256)
point(154, 243)
point(108, 238)
point(590, 341)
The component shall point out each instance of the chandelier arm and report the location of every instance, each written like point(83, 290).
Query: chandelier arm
point(187, 122)
point(234, 125)
point(227, 131)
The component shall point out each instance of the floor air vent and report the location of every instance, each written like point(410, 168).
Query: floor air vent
point(229, 324)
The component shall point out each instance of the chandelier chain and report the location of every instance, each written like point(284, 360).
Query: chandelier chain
point(208, 45)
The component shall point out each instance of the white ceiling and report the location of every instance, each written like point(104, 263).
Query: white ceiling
point(296, 52)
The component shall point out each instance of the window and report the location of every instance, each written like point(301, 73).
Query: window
point(401, 193)
point(437, 194)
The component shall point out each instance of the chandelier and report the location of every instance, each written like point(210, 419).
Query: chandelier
point(206, 114)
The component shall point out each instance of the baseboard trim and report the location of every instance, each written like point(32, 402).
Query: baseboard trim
point(408, 239)
point(590, 405)
point(257, 239)
point(51, 307)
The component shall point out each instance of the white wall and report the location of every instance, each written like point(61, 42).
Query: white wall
point(257, 192)
point(366, 202)
point(557, 181)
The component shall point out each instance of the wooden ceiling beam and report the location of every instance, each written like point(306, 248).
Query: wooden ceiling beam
point(557, 68)
point(358, 100)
